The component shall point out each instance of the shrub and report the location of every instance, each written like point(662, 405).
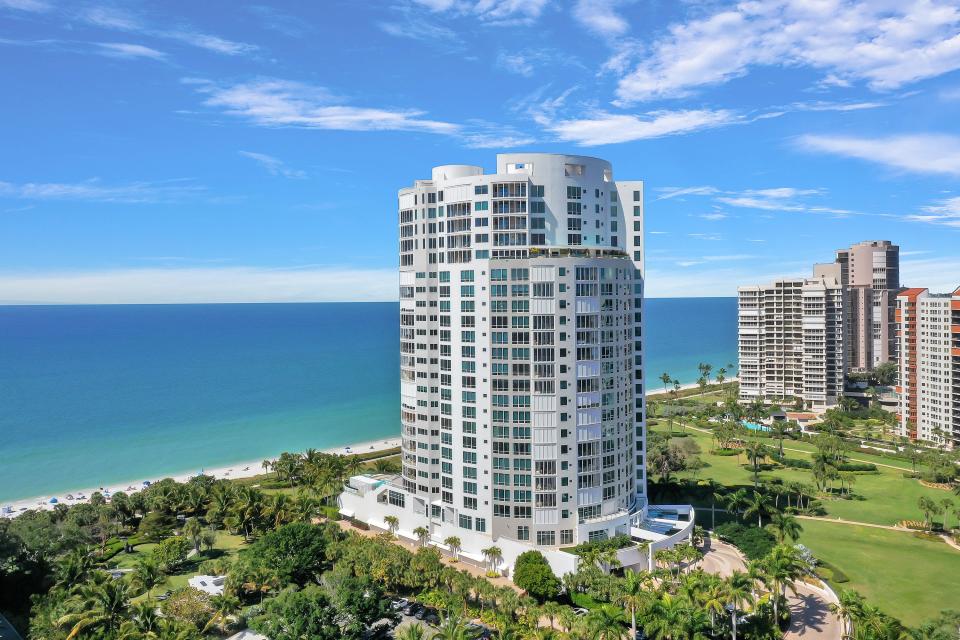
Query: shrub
point(532, 573)
point(724, 452)
point(795, 463)
point(754, 542)
point(831, 573)
point(857, 466)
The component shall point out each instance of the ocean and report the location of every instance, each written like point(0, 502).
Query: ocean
point(99, 395)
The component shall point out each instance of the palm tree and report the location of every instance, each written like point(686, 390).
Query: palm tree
point(721, 376)
point(393, 523)
point(946, 508)
point(665, 379)
point(423, 535)
point(758, 505)
point(785, 527)
point(779, 430)
point(385, 466)
point(670, 619)
point(493, 555)
point(99, 605)
point(757, 453)
point(849, 606)
point(738, 591)
point(223, 606)
point(606, 622)
point(192, 531)
point(454, 543)
point(146, 575)
point(737, 500)
point(413, 631)
point(633, 595)
point(782, 567)
point(929, 508)
point(676, 387)
point(453, 627)
point(702, 383)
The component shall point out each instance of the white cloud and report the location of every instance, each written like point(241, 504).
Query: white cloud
point(517, 63)
point(96, 191)
point(609, 128)
point(118, 19)
point(945, 213)
point(25, 5)
point(283, 103)
point(601, 17)
point(489, 10)
point(884, 43)
point(274, 166)
point(713, 216)
point(127, 50)
point(195, 285)
point(920, 153)
point(674, 192)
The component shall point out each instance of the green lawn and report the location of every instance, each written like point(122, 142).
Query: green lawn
point(885, 497)
point(227, 545)
point(907, 577)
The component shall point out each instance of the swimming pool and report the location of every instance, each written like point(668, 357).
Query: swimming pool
point(753, 426)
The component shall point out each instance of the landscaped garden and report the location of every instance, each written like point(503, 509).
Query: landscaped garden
point(699, 452)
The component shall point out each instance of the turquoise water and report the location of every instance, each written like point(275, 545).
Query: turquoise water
point(98, 395)
point(753, 426)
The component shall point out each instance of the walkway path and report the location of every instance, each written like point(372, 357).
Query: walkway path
point(810, 607)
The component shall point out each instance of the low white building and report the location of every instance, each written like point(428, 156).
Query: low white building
point(371, 499)
point(212, 585)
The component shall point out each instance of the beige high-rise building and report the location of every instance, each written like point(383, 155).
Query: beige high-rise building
point(791, 339)
point(928, 328)
point(870, 271)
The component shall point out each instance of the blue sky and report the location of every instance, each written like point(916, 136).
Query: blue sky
point(244, 151)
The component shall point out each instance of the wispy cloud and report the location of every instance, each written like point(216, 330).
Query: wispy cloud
point(26, 5)
point(886, 45)
point(96, 191)
point(204, 284)
point(273, 102)
point(713, 216)
point(609, 128)
point(675, 192)
point(128, 50)
point(919, 153)
point(274, 166)
point(494, 11)
point(601, 17)
point(518, 63)
point(944, 213)
point(940, 275)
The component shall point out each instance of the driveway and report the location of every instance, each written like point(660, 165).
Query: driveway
point(811, 618)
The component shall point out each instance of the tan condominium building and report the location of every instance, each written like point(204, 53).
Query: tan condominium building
point(928, 330)
point(870, 272)
point(792, 339)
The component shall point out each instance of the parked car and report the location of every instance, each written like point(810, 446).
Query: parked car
point(478, 631)
point(399, 604)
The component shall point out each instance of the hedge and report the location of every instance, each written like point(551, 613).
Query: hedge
point(754, 542)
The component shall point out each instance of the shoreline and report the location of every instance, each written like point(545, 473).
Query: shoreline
point(687, 387)
point(234, 471)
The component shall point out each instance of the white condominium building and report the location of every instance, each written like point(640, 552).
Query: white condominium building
point(928, 328)
point(522, 399)
point(791, 339)
point(870, 272)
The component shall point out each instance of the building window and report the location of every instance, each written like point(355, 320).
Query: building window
point(636, 196)
point(466, 522)
point(546, 538)
point(480, 524)
point(523, 532)
point(566, 536)
point(396, 498)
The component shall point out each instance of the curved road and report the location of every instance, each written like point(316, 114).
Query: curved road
point(810, 607)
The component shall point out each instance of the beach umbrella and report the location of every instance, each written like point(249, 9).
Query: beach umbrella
point(53, 501)
point(146, 483)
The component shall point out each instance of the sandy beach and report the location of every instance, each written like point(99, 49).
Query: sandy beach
point(684, 387)
point(238, 470)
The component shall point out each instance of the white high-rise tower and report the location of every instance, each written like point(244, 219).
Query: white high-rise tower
point(522, 398)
